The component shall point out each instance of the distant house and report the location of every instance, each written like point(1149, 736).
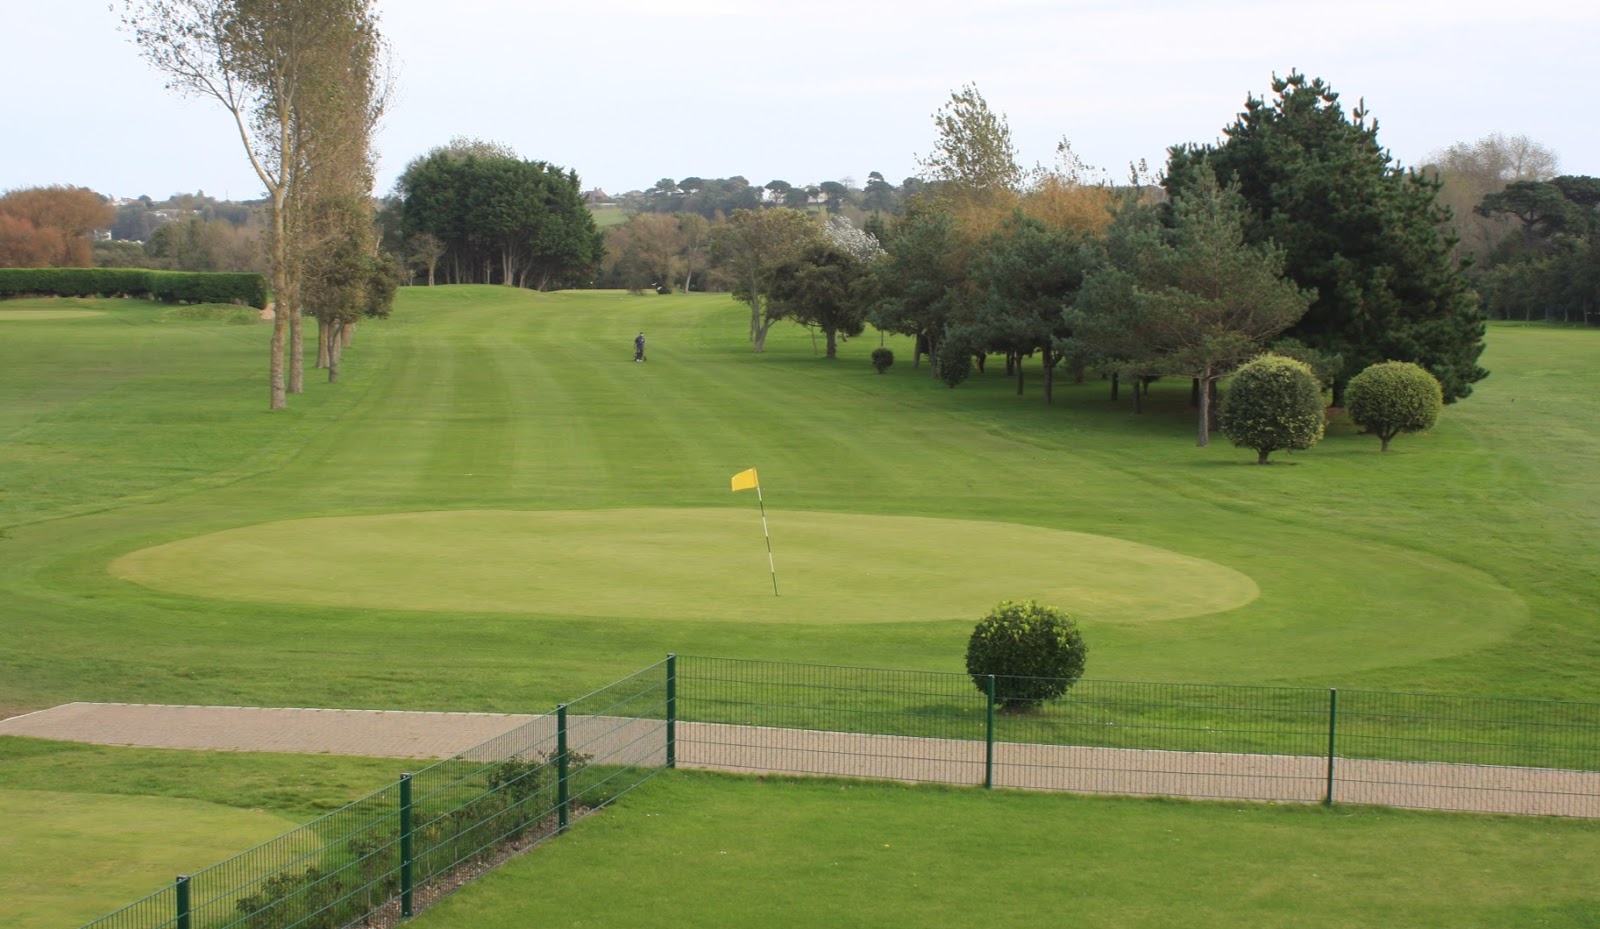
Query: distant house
point(596, 197)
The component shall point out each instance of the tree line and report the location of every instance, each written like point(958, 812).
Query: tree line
point(1297, 233)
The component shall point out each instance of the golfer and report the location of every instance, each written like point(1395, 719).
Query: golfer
point(638, 348)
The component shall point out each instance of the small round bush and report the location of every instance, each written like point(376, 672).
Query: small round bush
point(1394, 397)
point(1035, 653)
point(882, 358)
point(1273, 402)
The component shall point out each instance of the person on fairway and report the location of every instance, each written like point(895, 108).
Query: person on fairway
point(638, 348)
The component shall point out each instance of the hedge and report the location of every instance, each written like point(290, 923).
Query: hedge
point(167, 286)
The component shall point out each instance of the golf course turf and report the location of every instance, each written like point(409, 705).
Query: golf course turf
point(496, 511)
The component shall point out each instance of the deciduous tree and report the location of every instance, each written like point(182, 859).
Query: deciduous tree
point(753, 244)
point(268, 63)
point(51, 227)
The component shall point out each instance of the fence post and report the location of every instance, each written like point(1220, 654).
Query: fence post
point(407, 853)
point(182, 888)
point(988, 739)
point(1333, 728)
point(672, 711)
point(562, 814)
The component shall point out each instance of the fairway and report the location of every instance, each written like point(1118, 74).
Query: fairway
point(687, 564)
point(495, 510)
point(495, 480)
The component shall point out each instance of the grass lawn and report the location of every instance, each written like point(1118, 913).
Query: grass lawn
point(68, 858)
point(169, 541)
point(497, 511)
point(707, 850)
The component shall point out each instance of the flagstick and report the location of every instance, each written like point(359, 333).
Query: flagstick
point(770, 563)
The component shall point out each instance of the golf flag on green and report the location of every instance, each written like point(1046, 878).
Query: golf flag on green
point(745, 480)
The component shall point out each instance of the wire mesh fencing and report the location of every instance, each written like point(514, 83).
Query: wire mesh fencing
point(393, 850)
point(386, 852)
point(1185, 740)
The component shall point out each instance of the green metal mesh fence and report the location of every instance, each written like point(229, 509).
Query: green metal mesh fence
point(1189, 740)
point(386, 850)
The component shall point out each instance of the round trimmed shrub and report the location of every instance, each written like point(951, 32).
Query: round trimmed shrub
point(882, 358)
point(1394, 397)
point(1273, 402)
point(1035, 653)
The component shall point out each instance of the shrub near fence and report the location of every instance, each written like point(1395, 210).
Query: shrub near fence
point(168, 286)
point(388, 851)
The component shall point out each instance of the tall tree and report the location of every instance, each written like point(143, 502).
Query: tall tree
point(819, 288)
point(1206, 301)
point(974, 156)
point(257, 58)
point(1353, 226)
point(1469, 171)
point(1024, 276)
point(917, 286)
point(645, 251)
point(503, 219)
point(753, 245)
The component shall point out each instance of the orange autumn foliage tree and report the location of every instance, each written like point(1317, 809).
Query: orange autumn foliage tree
point(50, 227)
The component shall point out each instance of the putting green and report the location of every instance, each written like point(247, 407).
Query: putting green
point(16, 316)
point(687, 564)
point(68, 858)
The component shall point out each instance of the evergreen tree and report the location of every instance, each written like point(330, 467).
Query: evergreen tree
point(1353, 226)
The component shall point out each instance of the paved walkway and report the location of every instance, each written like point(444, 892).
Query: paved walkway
point(753, 749)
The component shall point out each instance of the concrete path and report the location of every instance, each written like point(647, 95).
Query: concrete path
point(755, 749)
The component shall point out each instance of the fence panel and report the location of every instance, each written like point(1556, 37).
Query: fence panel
point(1186, 740)
point(510, 792)
point(1469, 753)
point(766, 716)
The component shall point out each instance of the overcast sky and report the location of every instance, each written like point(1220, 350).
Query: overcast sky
point(629, 91)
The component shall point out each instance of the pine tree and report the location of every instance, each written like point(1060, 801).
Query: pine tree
point(1354, 226)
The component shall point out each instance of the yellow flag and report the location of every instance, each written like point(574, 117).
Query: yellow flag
point(745, 480)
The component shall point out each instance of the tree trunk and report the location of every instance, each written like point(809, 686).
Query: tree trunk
point(297, 355)
point(1205, 412)
point(322, 343)
point(833, 342)
point(335, 335)
point(347, 335)
point(761, 334)
point(1138, 394)
point(278, 389)
point(1385, 440)
point(431, 265)
point(1261, 455)
point(1114, 385)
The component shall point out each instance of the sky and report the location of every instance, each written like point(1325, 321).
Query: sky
point(629, 91)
